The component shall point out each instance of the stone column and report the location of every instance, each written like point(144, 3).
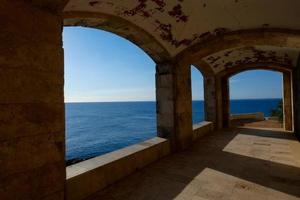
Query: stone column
point(287, 101)
point(32, 161)
point(174, 104)
point(296, 98)
point(165, 101)
point(210, 99)
point(223, 102)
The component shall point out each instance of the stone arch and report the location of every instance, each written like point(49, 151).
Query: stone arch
point(255, 66)
point(145, 41)
point(204, 68)
point(120, 27)
point(286, 71)
point(235, 39)
point(217, 83)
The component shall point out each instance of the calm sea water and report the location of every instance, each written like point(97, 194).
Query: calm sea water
point(97, 128)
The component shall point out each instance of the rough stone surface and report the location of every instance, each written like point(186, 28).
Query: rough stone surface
point(31, 101)
point(222, 102)
point(210, 96)
point(183, 106)
point(165, 101)
point(174, 108)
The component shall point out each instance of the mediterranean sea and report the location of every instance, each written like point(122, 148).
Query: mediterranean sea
point(93, 129)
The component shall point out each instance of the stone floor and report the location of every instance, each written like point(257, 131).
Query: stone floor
point(273, 124)
point(240, 164)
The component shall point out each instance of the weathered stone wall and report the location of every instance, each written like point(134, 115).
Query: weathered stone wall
point(174, 104)
point(224, 88)
point(31, 102)
point(183, 105)
point(296, 103)
point(210, 97)
point(165, 101)
point(222, 102)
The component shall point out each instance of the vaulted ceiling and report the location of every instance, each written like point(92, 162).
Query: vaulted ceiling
point(175, 25)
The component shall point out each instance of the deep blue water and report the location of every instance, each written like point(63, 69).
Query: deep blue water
point(97, 128)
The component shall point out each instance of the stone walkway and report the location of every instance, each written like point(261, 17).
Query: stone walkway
point(238, 164)
point(271, 124)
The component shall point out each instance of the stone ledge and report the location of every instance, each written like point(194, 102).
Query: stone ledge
point(90, 176)
point(201, 129)
point(254, 116)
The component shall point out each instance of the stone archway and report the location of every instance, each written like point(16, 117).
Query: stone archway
point(243, 38)
point(120, 27)
point(286, 83)
point(220, 65)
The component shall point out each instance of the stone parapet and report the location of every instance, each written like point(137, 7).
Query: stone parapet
point(90, 176)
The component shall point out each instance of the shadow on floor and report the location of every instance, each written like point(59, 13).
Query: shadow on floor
point(237, 164)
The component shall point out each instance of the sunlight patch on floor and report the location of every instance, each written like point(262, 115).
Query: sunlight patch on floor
point(277, 150)
point(213, 184)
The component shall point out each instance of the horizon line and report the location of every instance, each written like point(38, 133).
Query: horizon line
point(113, 101)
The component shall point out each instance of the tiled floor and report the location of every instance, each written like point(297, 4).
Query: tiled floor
point(239, 164)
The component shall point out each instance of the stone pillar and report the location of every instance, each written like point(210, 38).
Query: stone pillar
point(183, 106)
point(174, 104)
point(223, 102)
point(296, 98)
point(287, 101)
point(210, 99)
point(32, 155)
point(165, 101)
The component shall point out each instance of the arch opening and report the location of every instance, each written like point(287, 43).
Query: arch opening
point(260, 98)
point(109, 93)
point(120, 27)
point(198, 111)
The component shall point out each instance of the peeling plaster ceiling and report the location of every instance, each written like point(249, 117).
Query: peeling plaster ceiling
point(255, 54)
point(177, 24)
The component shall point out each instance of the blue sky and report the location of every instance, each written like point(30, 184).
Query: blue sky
point(102, 67)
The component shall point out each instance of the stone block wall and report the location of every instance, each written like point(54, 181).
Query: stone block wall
point(183, 106)
point(210, 104)
point(165, 100)
point(32, 139)
point(174, 104)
